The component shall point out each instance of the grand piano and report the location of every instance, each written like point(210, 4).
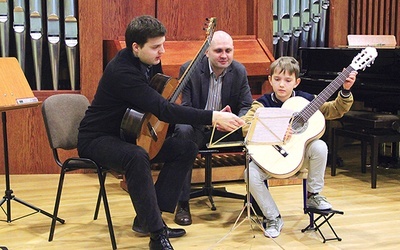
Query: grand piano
point(377, 87)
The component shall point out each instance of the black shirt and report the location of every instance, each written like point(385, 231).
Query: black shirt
point(123, 85)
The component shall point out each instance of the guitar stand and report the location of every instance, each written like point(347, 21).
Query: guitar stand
point(326, 215)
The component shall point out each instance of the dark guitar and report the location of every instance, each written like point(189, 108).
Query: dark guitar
point(145, 128)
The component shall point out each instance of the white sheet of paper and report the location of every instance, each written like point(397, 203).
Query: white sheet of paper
point(269, 126)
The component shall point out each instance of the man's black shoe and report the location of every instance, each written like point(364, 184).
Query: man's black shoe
point(171, 232)
point(160, 241)
point(175, 232)
point(138, 228)
point(182, 215)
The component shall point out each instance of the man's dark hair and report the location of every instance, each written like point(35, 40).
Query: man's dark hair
point(142, 28)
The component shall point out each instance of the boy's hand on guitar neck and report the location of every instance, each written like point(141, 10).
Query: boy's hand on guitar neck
point(226, 121)
point(350, 80)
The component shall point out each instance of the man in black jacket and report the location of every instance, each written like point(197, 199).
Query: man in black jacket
point(125, 84)
point(217, 83)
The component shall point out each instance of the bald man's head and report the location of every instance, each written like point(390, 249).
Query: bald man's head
point(220, 52)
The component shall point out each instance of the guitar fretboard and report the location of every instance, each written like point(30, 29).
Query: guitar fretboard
point(325, 94)
point(186, 75)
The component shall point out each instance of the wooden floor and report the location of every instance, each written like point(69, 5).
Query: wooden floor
point(371, 218)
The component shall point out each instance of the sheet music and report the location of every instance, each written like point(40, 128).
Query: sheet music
point(269, 126)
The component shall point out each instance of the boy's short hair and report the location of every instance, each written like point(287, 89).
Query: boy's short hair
point(142, 28)
point(285, 63)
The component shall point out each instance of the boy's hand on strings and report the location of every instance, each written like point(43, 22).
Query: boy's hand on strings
point(288, 134)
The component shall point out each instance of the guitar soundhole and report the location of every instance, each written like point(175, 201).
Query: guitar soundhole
point(299, 125)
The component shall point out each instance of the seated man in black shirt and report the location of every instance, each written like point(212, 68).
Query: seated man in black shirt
point(125, 84)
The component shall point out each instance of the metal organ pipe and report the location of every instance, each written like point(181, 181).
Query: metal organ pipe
point(53, 38)
point(36, 34)
point(4, 28)
point(20, 31)
point(71, 38)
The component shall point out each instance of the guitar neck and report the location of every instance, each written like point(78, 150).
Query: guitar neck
point(189, 71)
point(325, 94)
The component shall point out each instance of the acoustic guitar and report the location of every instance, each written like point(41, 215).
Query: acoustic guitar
point(145, 129)
point(308, 123)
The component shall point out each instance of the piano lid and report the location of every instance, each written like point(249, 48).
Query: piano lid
point(326, 63)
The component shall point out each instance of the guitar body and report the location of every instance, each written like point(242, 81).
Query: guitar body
point(275, 163)
point(146, 130)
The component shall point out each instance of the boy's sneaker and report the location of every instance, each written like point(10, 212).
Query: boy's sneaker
point(273, 227)
point(319, 202)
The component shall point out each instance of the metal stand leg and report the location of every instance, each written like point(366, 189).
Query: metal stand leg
point(208, 189)
point(8, 197)
point(248, 206)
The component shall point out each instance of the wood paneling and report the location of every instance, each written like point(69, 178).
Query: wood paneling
point(184, 18)
point(251, 52)
point(28, 149)
point(368, 17)
point(90, 44)
point(101, 20)
point(338, 17)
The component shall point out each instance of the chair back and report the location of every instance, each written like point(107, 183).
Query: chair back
point(62, 114)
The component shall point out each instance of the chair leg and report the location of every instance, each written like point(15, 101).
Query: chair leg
point(57, 204)
point(334, 152)
point(311, 215)
point(96, 211)
point(106, 207)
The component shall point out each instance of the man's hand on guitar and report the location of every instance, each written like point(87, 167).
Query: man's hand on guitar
point(226, 122)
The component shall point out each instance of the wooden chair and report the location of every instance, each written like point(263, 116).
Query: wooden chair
point(62, 114)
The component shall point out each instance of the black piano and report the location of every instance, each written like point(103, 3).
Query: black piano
point(378, 86)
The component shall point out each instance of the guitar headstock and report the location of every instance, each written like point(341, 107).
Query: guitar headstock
point(364, 59)
point(210, 27)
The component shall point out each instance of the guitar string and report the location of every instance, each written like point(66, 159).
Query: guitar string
point(310, 109)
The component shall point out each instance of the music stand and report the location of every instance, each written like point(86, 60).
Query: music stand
point(15, 93)
point(267, 128)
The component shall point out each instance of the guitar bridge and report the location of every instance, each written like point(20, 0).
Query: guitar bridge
point(152, 132)
point(280, 150)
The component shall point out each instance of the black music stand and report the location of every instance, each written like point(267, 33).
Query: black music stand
point(15, 94)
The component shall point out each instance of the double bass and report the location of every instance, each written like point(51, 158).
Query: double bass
point(145, 129)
